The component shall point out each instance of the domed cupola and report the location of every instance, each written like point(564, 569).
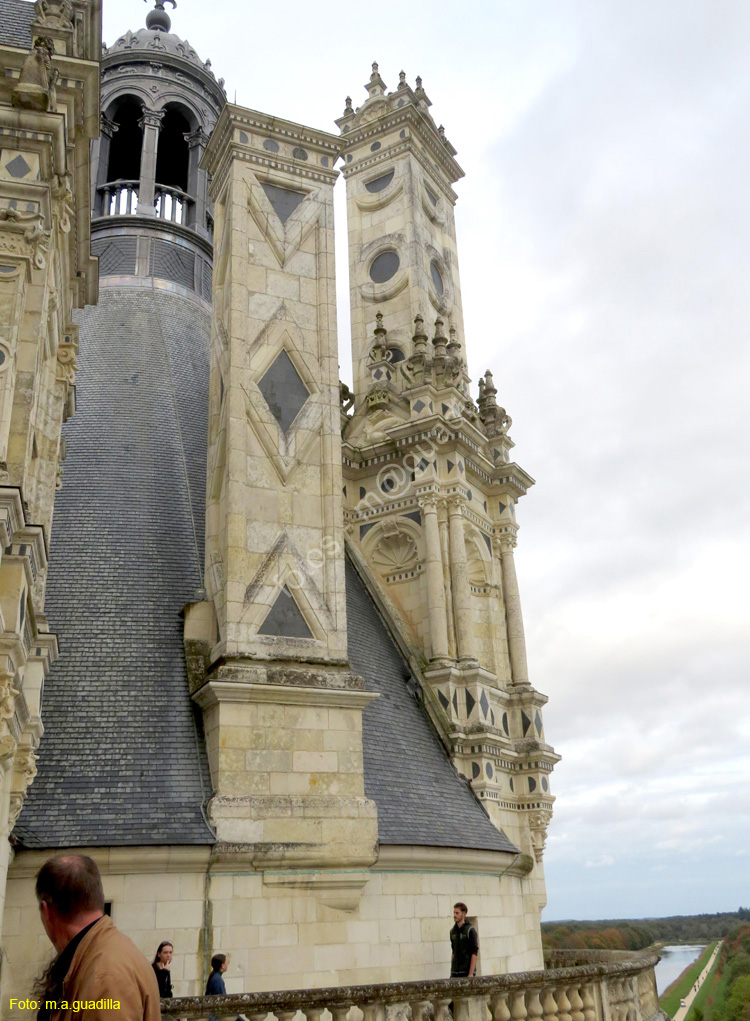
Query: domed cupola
point(160, 102)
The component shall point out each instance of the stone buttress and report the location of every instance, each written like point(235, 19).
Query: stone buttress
point(431, 488)
point(282, 709)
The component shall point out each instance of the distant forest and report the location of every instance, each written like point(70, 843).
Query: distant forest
point(637, 933)
point(726, 995)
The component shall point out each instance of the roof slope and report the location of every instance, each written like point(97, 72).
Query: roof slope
point(122, 760)
point(420, 797)
point(15, 23)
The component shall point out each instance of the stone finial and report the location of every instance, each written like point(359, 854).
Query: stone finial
point(419, 84)
point(420, 337)
point(348, 108)
point(454, 345)
point(379, 348)
point(489, 387)
point(439, 340)
point(158, 20)
point(375, 73)
point(402, 80)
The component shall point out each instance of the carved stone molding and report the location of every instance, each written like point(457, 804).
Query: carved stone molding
point(66, 363)
point(24, 234)
point(538, 823)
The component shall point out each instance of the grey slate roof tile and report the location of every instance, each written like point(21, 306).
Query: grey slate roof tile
point(122, 760)
point(15, 23)
point(420, 797)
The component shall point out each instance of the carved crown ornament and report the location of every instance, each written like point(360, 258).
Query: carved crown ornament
point(538, 823)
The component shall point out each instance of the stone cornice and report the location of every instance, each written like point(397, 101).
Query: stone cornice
point(216, 692)
point(227, 142)
point(463, 860)
point(114, 861)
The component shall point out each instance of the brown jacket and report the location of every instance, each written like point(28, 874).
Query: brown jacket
point(107, 967)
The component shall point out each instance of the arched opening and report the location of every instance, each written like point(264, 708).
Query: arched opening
point(172, 166)
point(172, 156)
point(125, 148)
point(120, 159)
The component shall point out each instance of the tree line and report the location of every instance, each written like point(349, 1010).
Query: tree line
point(637, 933)
point(729, 999)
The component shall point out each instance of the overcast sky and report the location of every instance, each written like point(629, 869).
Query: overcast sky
point(603, 243)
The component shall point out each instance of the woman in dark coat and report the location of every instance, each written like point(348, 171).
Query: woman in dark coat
point(161, 965)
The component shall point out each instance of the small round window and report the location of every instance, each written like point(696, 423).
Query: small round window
point(437, 277)
point(384, 267)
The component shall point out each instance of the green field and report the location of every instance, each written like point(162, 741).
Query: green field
point(670, 1001)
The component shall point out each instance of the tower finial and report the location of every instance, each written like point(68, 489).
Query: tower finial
point(158, 20)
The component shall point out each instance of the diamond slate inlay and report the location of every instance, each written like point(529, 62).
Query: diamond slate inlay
point(283, 200)
point(525, 723)
point(484, 702)
point(18, 167)
point(443, 700)
point(284, 618)
point(470, 703)
point(419, 406)
point(284, 391)
point(538, 723)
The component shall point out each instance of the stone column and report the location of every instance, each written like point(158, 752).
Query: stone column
point(196, 182)
point(460, 580)
point(151, 124)
point(513, 616)
point(100, 163)
point(445, 550)
point(434, 577)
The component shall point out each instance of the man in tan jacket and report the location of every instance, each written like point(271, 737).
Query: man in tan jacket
point(98, 974)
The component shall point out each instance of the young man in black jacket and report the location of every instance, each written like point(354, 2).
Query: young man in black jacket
point(464, 944)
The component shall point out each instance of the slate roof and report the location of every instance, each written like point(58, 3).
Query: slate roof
point(420, 797)
point(122, 760)
point(15, 23)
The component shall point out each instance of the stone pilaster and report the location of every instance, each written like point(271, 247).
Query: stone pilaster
point(150, 122)
point(513, 615)
point(279, 693)
point(434, 579)
point(462, 602)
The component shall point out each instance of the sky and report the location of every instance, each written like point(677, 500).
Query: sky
point(603, 228)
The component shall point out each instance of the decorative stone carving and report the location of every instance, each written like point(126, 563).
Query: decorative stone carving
point(538, 823)
point(8, 693)
point(395, 553)
point(55, 14)
point(16, 804)
point(24, 234)
point(36, 86)
point(66, 363)
point(8, 745)
point(25, 765)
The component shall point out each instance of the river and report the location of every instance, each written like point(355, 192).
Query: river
point(674, 960)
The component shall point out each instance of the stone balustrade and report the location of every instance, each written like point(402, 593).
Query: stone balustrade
point(575, 986)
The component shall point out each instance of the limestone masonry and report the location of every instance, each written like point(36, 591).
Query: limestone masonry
point(283, 696)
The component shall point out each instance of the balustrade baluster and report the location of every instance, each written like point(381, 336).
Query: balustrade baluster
point(576, 1003)
point(549, 1006)
point(106, 199)
point(563, 1005)
point(340, 1011)
point(518, 1006)
point(313, 1013)
point(589, 1004)
point(129, 199)
point(499, 1007)
point(442, 1009)
point(534, 1010)
point(420, 1010)
point(373, 1011)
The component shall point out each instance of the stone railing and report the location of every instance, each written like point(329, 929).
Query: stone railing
point(172, 204)
point(599, 986)
point(118, 198)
